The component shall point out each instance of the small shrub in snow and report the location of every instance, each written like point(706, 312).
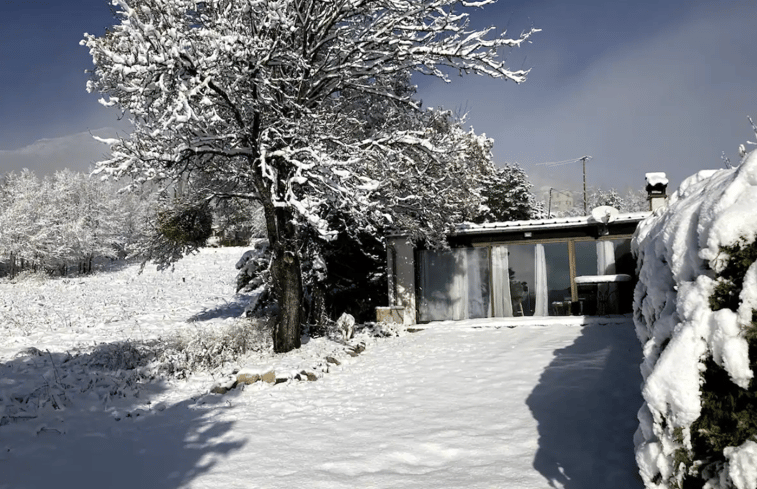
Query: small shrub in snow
point(382, 330)
point(118, 356)
point(37, 276)
point(209, 349)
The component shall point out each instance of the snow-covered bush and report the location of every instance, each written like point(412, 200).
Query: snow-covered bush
point(118, 370)
point(187, 225)
point(695, 316)
point(211, 348)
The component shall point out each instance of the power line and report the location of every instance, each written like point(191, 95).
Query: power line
point(565, 162)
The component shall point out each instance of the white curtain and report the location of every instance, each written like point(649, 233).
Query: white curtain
point(454, 284)
point(503, 304)
point(476, 262)
point(605, 258)
point(440, 297)
point(540, 268)
point(607, 293)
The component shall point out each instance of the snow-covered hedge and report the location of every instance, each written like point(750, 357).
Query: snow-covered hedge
point(695, 316)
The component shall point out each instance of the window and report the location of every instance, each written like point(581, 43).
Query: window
point(454, 284)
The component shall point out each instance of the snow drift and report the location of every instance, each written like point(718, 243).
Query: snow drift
point(697, 347)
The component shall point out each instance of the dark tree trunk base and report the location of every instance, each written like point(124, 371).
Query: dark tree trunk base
point(287, 281)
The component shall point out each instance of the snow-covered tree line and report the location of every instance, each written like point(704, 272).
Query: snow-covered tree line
point(305, 107)
point(66, 220)
point(62, 222)
point(633, 200)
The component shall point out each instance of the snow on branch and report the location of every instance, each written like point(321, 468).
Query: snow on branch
point(306, 104)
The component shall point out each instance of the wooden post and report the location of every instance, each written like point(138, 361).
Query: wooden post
point(572, 261)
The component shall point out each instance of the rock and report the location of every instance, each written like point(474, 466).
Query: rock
point(415, 330)
point(247, 378)
point(224, 387)
point(359, 348)
point(136, 413)
point(333, 360)
point(352, 353)
point(309, 375)
point(251, 377)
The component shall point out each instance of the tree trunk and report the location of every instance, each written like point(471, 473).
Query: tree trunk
point(286, 276)
point(287, 282)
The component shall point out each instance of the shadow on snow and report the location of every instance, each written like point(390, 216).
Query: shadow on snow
point(86, 421)
point(585, 404)
point(230, 309)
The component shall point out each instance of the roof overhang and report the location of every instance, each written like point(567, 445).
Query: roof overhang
point(467, 234)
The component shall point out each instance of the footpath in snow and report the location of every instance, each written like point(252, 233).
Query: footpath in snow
point(474, 404)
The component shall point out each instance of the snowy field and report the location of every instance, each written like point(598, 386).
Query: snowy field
point(473, 404)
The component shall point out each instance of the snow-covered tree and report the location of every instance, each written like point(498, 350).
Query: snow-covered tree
point(265, 100)
point(508, 196)
point(631, 201)
point(67, 219)
point(22, 212)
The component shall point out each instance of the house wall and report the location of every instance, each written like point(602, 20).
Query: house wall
point(401, 272)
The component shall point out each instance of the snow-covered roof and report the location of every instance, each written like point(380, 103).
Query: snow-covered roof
point(541, 224)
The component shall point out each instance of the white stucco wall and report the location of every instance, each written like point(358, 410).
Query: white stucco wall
point(401, 263)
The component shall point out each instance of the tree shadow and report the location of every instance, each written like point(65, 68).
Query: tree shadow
point(585, 404)
point(230, 309)
point(84, 421)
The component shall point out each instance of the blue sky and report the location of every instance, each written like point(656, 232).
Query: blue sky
point(640, 86)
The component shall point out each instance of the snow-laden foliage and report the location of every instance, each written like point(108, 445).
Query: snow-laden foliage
point(65, 220)
point(303, 106)
point(695, 316)
point(236, 221)
point(631, 201)
point(508, 196)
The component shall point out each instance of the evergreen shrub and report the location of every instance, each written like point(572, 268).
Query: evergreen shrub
point(189, 225)
point(729, 413)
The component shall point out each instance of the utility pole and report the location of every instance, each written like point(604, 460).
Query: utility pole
point(565, 162)
point(583, 160)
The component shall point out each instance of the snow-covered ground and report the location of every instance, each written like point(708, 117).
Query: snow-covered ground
point(536, 403)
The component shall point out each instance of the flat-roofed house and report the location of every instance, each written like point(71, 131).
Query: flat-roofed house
point(558, 266)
